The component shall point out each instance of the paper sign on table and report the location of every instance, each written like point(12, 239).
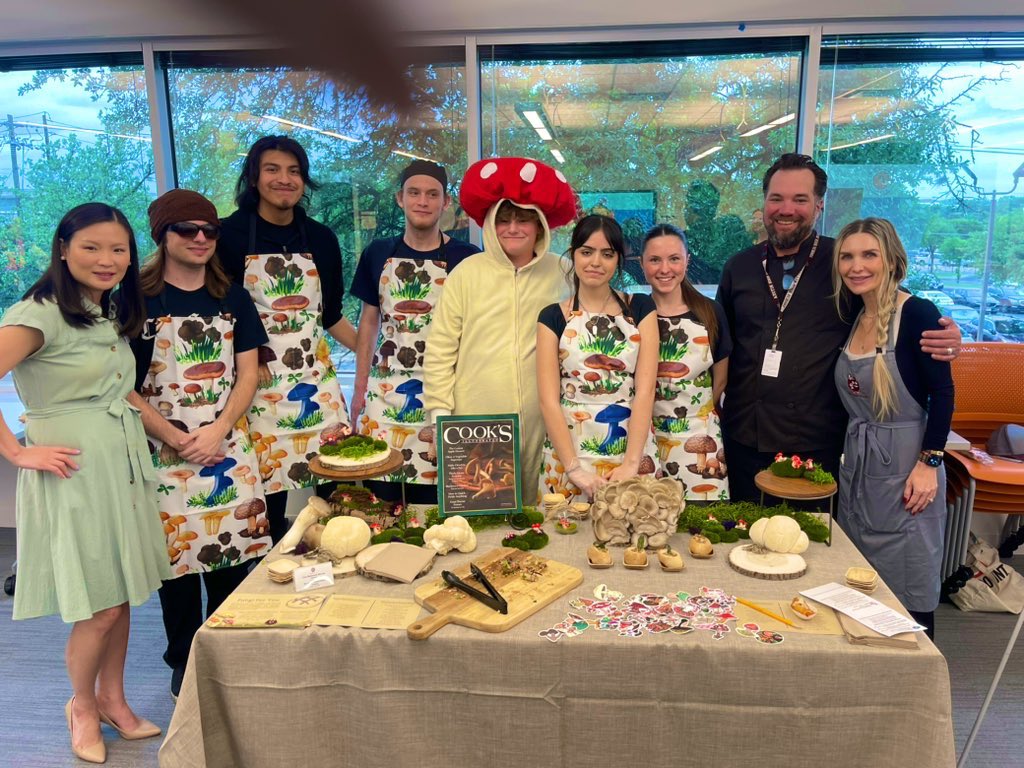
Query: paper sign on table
point(313, 576)
point(367, 612)
point(250, 611)
point(863, 608)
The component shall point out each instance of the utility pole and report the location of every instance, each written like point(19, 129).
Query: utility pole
point(46, 137)
point(14, 153)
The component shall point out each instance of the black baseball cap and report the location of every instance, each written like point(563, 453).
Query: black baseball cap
point(424, 168)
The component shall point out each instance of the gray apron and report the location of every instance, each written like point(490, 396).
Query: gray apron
point(878, 456)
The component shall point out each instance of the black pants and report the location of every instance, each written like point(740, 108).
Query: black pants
point(181, 601)
point(415, 493)
point(744, 462)
point(927, 620)
point(277, 505)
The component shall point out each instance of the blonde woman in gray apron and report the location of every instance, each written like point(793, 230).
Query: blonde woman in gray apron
point(900, 401)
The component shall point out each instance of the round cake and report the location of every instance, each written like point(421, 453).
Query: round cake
point(355, 452)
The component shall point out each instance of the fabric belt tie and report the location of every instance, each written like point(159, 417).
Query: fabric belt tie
point(865, 435)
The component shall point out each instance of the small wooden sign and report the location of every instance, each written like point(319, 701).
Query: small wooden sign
point(478, 464)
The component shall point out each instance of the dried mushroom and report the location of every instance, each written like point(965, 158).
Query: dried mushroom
point(622, 512)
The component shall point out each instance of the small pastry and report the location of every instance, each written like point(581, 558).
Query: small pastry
point(670, 560)
point(636, 557)
point(598, 555)
point(802, 609)
point(700, 547)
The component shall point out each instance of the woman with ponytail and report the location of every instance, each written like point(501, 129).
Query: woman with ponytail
point(596, 365)
point(900, 401)
point(693, 364)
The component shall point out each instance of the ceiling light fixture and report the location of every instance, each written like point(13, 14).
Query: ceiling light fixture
point(534, 116)
point(705, 153)
point(858, 143)
point(286, 121)
point(768, 126)
point(558, 155)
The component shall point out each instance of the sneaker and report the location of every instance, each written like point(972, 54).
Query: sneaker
point(177, 675)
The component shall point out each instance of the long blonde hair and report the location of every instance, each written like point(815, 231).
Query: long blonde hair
point(894, 257)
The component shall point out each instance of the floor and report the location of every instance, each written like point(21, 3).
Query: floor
point(33, 685)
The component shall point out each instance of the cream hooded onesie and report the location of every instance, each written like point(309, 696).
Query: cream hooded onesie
point(480, 354)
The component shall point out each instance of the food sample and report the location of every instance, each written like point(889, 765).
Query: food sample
point(355, 452)
point(802, 609)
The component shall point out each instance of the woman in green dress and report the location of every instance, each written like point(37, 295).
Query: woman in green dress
point(90, 541)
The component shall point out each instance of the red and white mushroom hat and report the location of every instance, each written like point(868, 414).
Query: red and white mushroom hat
point(519, 180)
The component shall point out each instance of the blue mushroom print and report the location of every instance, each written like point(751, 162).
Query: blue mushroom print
point(412, 408)
point(615, 441)
point(223, 491)
point(309, 412)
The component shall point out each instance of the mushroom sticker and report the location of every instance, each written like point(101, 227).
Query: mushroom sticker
point(223, 491)
point(309, 412)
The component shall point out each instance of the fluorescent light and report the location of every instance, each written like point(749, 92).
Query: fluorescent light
point(52, 127)
point(557, 155)
point(768, 126)
point(294, 124)
point(414, 157)
point(544, 133)
point(705, 153)
point(534, 119)
point(862, 141)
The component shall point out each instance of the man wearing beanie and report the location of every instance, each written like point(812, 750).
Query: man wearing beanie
point(291, 267)
point(400, 280)
point(196, 371)
point(482, 353)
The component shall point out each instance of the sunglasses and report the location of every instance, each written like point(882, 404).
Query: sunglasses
point(787, 273)
point(189, 230)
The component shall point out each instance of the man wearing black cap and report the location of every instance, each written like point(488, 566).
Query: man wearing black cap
point(399, 281)
point(196, 371)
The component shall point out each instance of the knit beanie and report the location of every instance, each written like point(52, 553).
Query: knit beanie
point(179, 205)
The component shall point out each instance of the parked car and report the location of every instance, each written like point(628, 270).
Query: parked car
point(970, 332)
point(1009, 299)
point(963, 314)
point(939, 299)
point(972, 297)
point(1011, 327)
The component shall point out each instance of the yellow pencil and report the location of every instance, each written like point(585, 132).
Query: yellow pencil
point(766, 612)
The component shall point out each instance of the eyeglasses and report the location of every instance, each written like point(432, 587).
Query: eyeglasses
point(787, 273)
point(189, 230)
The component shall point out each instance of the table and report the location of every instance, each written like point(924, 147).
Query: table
point(342, 697)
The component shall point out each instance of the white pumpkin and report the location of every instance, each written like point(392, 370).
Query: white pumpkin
point(344, 536)
point(779, 534)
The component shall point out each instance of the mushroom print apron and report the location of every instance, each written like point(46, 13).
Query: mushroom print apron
point(905, 549)
point(598, 355)
point(298, 397)
point(213, 517)
point(409, 290)
point(686, 428)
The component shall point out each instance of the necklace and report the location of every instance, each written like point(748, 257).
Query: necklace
point(603, 306)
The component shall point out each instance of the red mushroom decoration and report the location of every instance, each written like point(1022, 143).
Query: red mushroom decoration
point(521, 180)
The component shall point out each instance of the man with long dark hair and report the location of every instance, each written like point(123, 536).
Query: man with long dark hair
point(291, 266)
point(196, 370)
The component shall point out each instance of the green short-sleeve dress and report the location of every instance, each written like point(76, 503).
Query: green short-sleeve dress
point(95, 540)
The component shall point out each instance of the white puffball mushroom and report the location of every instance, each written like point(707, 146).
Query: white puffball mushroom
point(779, 534)
point(344, 536)
point(453, 533)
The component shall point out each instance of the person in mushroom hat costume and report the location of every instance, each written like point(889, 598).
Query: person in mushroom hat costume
point(481, 356)
point(597, 360)
point(196, 371)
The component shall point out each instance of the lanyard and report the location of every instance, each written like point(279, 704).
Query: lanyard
point(792, 289)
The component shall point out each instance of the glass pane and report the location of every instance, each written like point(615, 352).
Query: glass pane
point(680, 139)
point(356, 149)
point(70, 136)
point(919, 133)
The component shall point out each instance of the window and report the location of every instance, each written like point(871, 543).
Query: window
point(221, 103)
point(929, 133)
point(680, 131)
point(76, 131)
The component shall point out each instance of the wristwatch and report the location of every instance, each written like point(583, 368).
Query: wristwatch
point(931, 458)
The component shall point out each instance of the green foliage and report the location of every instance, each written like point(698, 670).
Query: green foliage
point(671, 350)
point(593, 445)
point(414, 416)
point(223, 498)
point(310, 420)
point(603, 345)
point(695, 517)
point(413, 289)
point(820, 476)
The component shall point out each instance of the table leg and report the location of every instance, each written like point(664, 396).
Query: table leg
point(831, 518)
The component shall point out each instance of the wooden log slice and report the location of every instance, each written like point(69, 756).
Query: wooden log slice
point(773, 566)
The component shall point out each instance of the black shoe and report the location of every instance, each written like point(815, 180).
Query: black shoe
point(177, 675)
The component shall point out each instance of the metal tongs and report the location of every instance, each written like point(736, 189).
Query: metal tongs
point(492, 599)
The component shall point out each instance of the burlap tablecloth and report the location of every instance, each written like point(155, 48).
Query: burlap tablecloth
point(343, 697)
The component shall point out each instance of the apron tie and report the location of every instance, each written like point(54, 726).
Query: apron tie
point(867, 440)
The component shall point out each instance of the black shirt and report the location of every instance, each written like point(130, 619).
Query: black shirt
point(640, 306)
point(366, 283)
point(799, 410)
point(248, 329)
point(303, 234)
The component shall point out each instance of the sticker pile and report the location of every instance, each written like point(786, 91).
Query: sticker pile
point(680, 613)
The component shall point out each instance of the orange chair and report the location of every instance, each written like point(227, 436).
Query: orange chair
point(989, 380)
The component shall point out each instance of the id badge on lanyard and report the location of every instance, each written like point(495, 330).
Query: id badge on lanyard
point(772, 363)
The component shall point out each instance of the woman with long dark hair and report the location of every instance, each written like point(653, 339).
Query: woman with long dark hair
point(692, 368)
point(90, 541)
point(596, 365)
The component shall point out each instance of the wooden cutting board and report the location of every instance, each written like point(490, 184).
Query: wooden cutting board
point(450, 606)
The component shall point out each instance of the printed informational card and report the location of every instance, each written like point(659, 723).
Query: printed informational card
point(367, 612)
point(863, 608)
point(313, 576)
point(478, 464)
point(251, 611)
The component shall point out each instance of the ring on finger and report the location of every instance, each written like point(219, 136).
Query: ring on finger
point(949, 350)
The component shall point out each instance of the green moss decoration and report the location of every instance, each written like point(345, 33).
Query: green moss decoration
point(731, 537)
point(535, 538)
point(695, 516)
point(713, 537)
point(785, 468)
point(820, 476)
point(391, 534)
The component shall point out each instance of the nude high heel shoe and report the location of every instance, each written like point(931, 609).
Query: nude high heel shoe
point(145, 730)
point(94, 753)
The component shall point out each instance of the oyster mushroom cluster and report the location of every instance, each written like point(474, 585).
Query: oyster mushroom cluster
point(622, 512)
